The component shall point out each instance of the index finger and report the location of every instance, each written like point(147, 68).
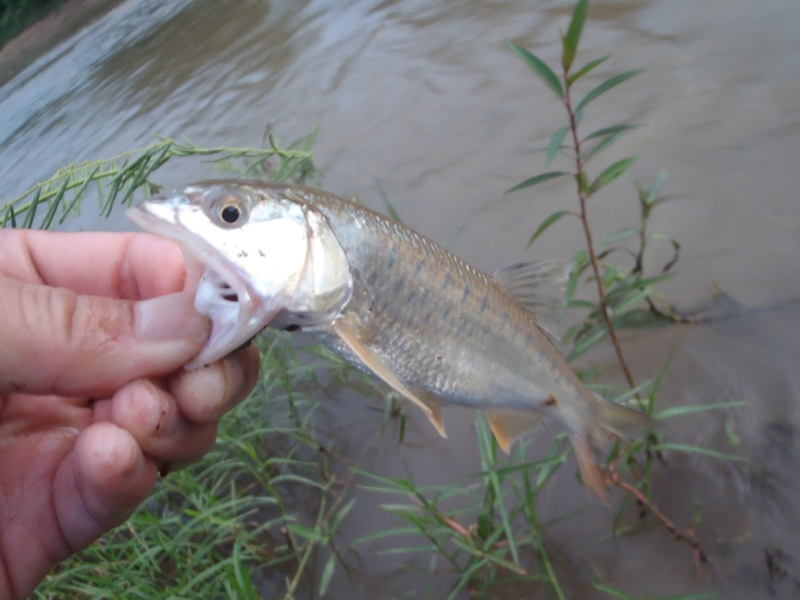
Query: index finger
point(129, 266)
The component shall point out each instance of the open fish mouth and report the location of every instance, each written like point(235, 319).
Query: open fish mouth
point(222, 291)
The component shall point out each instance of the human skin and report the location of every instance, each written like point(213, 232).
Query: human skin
point(94, 402)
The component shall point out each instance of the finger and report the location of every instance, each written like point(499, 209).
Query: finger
point(131, 266)
point(150, 414)
point(204, 395)
point(100, 483)
point(57, 342)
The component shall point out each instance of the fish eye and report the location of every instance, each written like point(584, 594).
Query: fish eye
point(229, 211)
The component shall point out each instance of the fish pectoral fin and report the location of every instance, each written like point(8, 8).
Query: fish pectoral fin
point(508, 425)
point(434, 404)
point(345, 331)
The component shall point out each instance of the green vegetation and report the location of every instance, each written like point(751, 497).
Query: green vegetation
point(259, 516)
point(16, 15)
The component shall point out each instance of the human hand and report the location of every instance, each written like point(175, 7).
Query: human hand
point(94, 329)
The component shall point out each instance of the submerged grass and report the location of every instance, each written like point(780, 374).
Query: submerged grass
point(258, 517)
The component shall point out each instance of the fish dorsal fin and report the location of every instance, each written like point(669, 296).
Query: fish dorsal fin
point(507, 425)
point(345, 331)
point(538, 286)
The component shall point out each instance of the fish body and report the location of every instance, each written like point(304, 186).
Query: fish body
point(389, 300)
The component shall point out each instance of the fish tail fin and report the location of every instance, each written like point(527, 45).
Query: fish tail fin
point(622, 420)
point(591, 474)
point(589, 443)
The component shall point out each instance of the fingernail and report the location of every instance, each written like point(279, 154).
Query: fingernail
point(170, 317)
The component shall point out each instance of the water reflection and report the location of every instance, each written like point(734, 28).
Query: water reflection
point(424, 97)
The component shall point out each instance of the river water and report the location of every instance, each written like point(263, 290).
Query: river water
point(425, 98)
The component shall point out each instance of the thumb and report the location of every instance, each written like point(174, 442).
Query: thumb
point(53, 341)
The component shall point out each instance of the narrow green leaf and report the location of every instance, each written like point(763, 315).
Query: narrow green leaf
point(539, 67)
point(639, 318)
point(587, 344)
point(608, 130)
point(10, 216)
point(555, 143)
point(54, 204)
point(76, 197)
point(306, 532)
point(611, 173)
point(607, 141)
point(613, 592)
point(389, 206)
point(607, 85)
point(545, 224)
point(327, 574)
point(573, 36)
point(677, 411)
point(696, 450)
point(615, 237)
point(627, 302)
point(534, 180)
point(586, 68)
point(28, 222)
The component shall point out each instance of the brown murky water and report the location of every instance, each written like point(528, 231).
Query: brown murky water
point(425, 98)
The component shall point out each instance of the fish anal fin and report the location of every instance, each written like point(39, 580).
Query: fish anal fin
point(508, 425)
point(434, 404)
point(343, 328)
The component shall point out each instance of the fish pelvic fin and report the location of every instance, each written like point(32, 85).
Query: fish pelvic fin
point(508, 425)
point(429, 405)
point(434, 404)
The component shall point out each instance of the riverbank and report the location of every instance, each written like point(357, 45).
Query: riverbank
point(42, 35)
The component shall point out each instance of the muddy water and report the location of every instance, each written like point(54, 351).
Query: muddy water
point(425, 98)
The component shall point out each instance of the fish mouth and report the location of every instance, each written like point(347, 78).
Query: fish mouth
point(222, 292)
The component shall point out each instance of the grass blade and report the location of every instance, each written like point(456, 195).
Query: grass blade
point(696, 450)
point(677, 411)
point(605, 86)
point(539, 67)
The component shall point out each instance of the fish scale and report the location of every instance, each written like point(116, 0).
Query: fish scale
point(435, 330)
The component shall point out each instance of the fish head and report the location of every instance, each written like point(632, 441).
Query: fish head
point(253, 251)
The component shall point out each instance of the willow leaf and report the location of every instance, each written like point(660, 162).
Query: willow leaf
point(539, 67)
point(545, 224)
point(607, 85)
point(573, 36)
point(534, 180)
point(555, 143)
point(611, 173)
point(586, 68)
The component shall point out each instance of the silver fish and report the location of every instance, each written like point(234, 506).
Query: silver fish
point(388, 299)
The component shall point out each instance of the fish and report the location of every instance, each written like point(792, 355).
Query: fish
point(387, 299)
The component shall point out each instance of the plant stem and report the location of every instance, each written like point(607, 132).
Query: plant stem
point(687, 537)
point(583, 196)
